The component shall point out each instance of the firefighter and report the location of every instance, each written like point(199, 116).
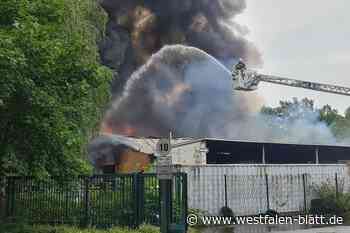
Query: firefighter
point(240, 66)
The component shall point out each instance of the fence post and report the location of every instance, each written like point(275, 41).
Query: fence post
point(336, 186)
point(225, 180)
point(135, 196)
point(267, 191)
point(10, 196)
point(165, 188)
point(138, 189)
point(304, 190)
point(184, 196)
point(141, 197)
point(169, 201)
point(2, 197)
point(86, 201)
point(7, 197)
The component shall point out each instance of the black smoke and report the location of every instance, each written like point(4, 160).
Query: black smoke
point(138, 28)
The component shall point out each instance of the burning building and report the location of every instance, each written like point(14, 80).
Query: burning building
point(113, 153)
point(189, 151)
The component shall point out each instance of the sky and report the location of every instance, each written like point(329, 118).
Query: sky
point(306, 40)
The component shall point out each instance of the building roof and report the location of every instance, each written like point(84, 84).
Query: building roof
point(148, 144)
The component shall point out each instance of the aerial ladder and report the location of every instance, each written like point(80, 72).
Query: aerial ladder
point(247, 80)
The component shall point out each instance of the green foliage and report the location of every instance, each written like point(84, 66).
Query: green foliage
point(289, 109)
point(10, 10)
point(226, 211)
point(296, 109)
point(341, 128)
point(347, 113)
point(329, 114)
point(332, 203)
point(62, 201)
point(52, 87)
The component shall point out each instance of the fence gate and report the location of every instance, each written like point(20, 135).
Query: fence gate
point(100, 201)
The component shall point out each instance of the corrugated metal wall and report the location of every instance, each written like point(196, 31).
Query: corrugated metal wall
point(246, 186)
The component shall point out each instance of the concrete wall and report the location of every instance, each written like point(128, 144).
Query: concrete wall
point(246, 186)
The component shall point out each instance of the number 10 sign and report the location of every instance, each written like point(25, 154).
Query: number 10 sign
point(163, 147)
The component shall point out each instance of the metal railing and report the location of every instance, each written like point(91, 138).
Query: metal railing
point(100, 200)
point(249, 190)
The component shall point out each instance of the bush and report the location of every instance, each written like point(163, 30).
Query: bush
point(331, 203)
point(226, 211)
point(271, 212)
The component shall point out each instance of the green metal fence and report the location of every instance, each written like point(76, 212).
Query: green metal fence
point(101, 200)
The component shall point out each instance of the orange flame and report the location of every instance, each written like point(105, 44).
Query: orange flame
point(126, 130)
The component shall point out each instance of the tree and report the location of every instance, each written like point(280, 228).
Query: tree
point(329, 114)
point(52, 88)
point(291, 109)
point(288, 111)
point(347, 113)
point(341, 129)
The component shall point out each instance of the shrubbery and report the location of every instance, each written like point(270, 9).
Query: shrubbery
point(331, 202)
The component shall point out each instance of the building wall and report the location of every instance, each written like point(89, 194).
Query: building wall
point(133, 161)
point(189, 153)
point(246, 186)
point(233, 152)
point(128, 161)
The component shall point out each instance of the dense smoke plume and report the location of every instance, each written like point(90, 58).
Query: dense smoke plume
point(182, 89)
point(138, 28)
point(185, 90)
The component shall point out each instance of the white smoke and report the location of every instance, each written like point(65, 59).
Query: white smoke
point(300, 125)
point(187, 91)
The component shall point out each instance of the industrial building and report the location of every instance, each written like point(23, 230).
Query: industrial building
point(239, 174)
point(117, 154)
point(132, 154)
point(217, 151)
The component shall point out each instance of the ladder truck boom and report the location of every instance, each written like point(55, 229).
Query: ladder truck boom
point(248, 80)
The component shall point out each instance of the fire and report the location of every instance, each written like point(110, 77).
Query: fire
point(106, 129)
point(144, 19)
point(143, 38)
point(174, 94)
point(126, 130)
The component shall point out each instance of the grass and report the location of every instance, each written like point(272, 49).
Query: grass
point(24, 228)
